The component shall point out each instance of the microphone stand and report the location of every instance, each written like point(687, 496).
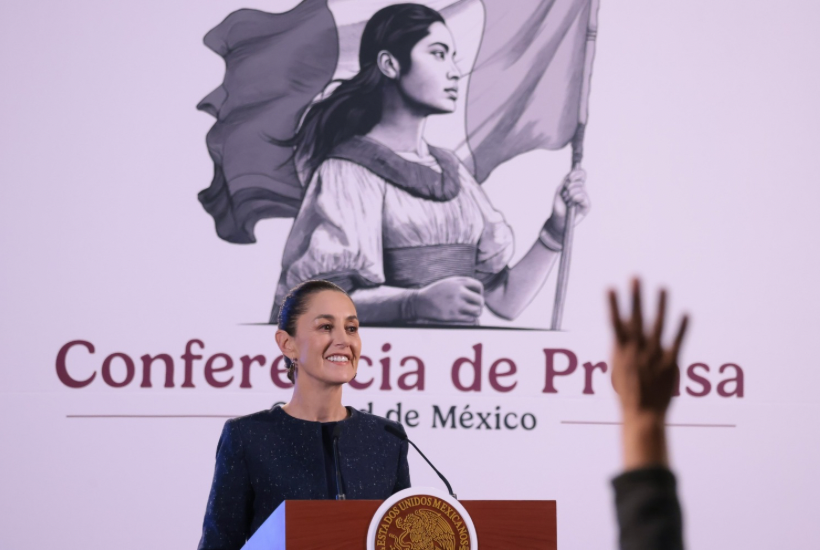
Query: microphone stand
point(339, 487)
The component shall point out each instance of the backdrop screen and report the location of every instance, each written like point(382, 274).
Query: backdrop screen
point(164, 183)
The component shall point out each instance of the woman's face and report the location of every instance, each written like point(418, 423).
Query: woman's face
point(432, 81)
point(327, 343)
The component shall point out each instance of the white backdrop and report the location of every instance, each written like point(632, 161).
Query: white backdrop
point(702, 160)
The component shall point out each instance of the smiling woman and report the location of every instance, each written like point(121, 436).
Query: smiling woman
point(287, 452)
point(319, 337)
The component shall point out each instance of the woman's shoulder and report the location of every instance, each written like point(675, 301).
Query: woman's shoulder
point(379, 423)
point(333, 165)
point(347, 175)
point(267, 416)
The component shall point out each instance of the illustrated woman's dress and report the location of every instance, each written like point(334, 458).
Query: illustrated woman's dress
point(373, 217)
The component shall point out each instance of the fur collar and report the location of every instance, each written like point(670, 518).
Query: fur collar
point(418, 180)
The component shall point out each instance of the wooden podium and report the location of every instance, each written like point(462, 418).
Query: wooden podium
point(342, 525)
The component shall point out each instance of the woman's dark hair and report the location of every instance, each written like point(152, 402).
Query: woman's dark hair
point(355, 106)
point(295, 304)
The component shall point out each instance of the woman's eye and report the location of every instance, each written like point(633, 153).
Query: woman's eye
point(326, 327)
point(353, 329)
point(439, 55)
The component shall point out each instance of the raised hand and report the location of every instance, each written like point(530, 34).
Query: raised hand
point(644, 374)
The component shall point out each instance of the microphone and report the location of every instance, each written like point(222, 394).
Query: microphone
point(403, 436)
point(339, 487)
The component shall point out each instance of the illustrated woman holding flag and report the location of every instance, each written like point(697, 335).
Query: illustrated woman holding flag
point(398, 223)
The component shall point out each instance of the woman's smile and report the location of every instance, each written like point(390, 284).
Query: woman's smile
point(338, 359)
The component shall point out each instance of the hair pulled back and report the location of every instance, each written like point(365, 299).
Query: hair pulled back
point(295, 304)
point(354, 107)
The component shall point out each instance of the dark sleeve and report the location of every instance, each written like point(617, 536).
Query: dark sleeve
point(229, 512)
point(403, 471)
point(648, 511)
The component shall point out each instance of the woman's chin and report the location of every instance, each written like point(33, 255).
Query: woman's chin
point(334, 381)
point(443, 108)
point(338, 373)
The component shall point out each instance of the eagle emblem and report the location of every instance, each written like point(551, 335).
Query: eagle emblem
point(426, 530)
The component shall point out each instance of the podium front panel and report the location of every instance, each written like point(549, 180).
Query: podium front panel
point(330, 524)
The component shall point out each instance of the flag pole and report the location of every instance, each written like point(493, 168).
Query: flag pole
point(577, 157)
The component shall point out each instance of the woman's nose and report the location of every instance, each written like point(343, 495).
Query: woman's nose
point(453, 72)
point(341, 338)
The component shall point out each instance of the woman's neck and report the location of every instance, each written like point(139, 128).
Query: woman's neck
point(401, 127)
point(318, 403)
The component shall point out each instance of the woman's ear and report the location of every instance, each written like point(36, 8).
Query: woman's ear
point(388, 65)
point(286, 344)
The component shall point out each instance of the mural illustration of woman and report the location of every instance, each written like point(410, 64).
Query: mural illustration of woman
point(399, 223)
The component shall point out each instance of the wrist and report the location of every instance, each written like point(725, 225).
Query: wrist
point(552, 236)
point(644, 440)
point(408, 309)
point(644, 419)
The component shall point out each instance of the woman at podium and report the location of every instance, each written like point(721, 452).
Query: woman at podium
point(288, 452)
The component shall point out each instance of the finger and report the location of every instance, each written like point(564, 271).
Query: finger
point(615, 317)
point(468, 313)
point(472, 298)
point(473, 285)
point(636, 323)
point(582, 206)
point(575, 180)
point(579, 197)
point(573, 177)
point(684, 323)
point(657, 332)
point(575, 185)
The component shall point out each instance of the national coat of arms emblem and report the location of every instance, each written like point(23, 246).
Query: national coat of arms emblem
point(423, 530)
point(421, 519)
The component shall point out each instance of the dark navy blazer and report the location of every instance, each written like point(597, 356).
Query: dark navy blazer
point(267, 457)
